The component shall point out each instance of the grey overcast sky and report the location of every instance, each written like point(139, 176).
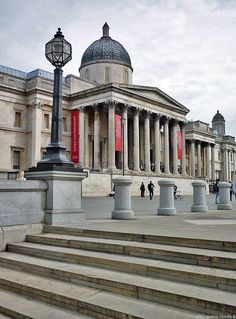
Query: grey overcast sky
point(186, 48)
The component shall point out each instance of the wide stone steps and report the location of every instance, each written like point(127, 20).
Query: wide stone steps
point(202, 276)
point(147, 238)
point(18, 306)
point(197, 256)
point(138, 276)
point(141, 287)
point(90, 301)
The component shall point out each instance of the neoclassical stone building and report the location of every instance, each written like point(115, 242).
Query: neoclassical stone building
point(122, 127)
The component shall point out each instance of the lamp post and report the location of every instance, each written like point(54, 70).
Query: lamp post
point(58, 51)
point(123, 122)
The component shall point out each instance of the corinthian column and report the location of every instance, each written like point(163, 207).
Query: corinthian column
point(147, 141)
point(225, 165)
point(136, 140)
point(96, 147)
point(125, 138)
point(183, 163)
point(81, 136)
point(157, 143)
point(36, 133)
point(199, 167)
point(166, 146)
point(193, 158)
point(213, 175)
point(111, 136)
point(208, 160)
point(174, 148)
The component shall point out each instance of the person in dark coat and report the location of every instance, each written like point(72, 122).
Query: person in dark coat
point(142, 189)
point(151, 189)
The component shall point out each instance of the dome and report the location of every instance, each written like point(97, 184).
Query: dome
point(106, 50)
point(218, 117)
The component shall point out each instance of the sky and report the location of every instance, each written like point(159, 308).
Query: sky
point(186, 48)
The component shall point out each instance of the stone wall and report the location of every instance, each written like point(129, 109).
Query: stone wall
point(100, 184)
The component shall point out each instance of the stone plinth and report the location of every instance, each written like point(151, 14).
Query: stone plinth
point(63, 205)
point(22, 202)
point(166, 206)
point(199, 197)
point(224, 196)
point(122, 199)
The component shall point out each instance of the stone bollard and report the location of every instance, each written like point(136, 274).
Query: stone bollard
point(224, 196)
point(166, 206)
point(122, 199)
point(199, 197)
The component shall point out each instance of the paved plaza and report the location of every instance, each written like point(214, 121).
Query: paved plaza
point(214, 224)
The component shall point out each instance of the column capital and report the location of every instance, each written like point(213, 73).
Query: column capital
point(147, 114)
point(166, 119)
point(36, 105)
point(110, 103)
point(156, 116)
point(135, 110)
point(96, 107)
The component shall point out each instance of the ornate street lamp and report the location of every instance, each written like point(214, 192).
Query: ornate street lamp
point(58, 51)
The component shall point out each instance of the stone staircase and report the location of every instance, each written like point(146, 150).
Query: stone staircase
point(78, 273)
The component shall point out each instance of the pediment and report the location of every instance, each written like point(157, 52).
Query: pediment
point(155, 94)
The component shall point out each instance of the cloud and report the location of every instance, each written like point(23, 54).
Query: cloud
point(184, 47)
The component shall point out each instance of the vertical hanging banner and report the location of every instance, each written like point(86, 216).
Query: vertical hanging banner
point(118, 136)
point(75, 136)
point(179, 144)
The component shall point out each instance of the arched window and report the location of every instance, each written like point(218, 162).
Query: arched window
point(87, 75)
point(126, 77)
point(107, 74)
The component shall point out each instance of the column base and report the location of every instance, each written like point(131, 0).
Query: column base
point(122, 214)
point(199, 208)
point(57, 217)
point(224, 206)
point(166, 211)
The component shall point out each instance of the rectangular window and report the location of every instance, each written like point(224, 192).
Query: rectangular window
point(46, 121)
point(107, 74)
point(16, 159)
point(219, 155)
point(64, 124)
point(17, 119)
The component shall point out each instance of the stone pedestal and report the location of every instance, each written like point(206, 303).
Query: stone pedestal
point(224, 196)
point(63, 205)
point(166, 197)
point(199, 197)
point(122, 199)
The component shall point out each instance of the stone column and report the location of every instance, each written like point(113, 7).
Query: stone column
point(147, 141)
point(225, 165)
point(81, 136)
point(96, 146)
point(174, 148)
point(183, 164)
point(122, 199)
point(136, 140)
point(86, 140)
point(199, 166)
point(229, 166)
point(193, 158)
point(111, 136)
point(199, 197)
point(166, 146)
point(234, 164)
point(125, 139)
point(157, 143)
point(213, 174)
point(224, 196)
point(208, 160)
point(166, 206)
point(36, 133)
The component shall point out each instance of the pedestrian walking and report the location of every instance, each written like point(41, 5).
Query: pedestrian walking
point(216, 191)
point(151, 189)
point(142, 189)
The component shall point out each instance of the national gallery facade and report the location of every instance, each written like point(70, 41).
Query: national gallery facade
point(110, 126)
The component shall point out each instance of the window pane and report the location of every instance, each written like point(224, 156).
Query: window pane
point(16, 159)
point(17, 119)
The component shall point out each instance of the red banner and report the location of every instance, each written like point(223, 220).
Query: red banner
point(179, 144)
point(75, 136)
point(118, 140)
